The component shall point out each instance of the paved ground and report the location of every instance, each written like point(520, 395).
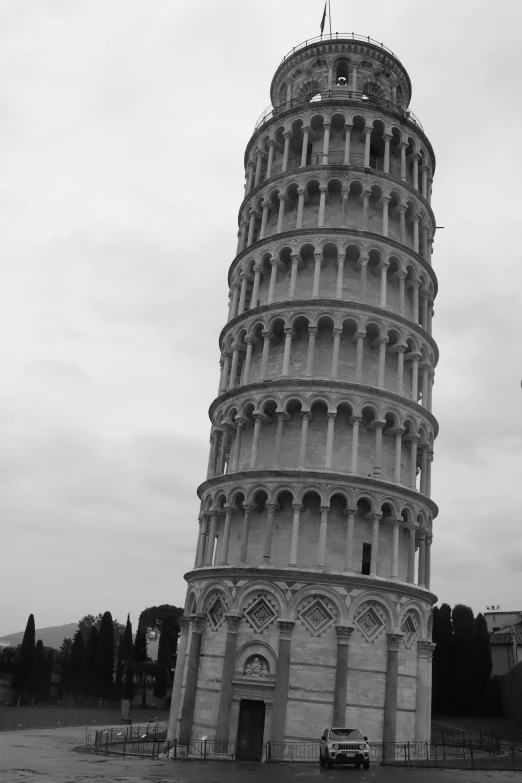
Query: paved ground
point(49, 757)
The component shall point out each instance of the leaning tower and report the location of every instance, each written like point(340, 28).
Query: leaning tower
point(309, 603)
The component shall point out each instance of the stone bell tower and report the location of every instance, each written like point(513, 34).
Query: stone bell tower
point(309, 603)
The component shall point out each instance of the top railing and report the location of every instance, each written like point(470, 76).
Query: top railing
point(337, 95)
point(336, 37)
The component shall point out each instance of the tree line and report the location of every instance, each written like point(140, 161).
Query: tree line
point(103, 661)
point(461, 683)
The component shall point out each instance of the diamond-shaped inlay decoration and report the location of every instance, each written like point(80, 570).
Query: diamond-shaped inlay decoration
point(409, 630)
point(370, 624)
point(316, 617)
point(216, 613)
point(260, 614)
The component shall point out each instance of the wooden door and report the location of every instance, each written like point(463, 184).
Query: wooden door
point(250, 730)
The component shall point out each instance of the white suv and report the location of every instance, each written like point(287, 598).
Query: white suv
point(344, 746)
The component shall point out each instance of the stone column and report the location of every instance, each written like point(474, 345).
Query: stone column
point(295, 534)
point(377, 461)
point(322, 204)
point(424, 468)
point(395, 549)
point(289, 333)
point(293, 276)
point(425, 255)
point(270, 510)
point(202, 542)
point(415, 316)
point(250, 181)
point(431, 377)
point(428, 476)
point(191, 681)
point(281, 415)
point(255, 441)
point(416, 221)
point(225, 441)
point(425, 367)
point(390, 695)
point(211, 539)
point(281, 214)
point(317, 275)
point(271, 145)
point(414, 439)
point(172, 730)
point(341, 674)
point(337, 332)
point(340, 277)
point(354, 78)
point(383, 266)
point(243, 235)
point(348, 129)
point(402, 147)
point(411, 554)
point(304, 150)
point(312, 331)
point(359, 356)
point(387, 138)
point(326, 142)
point(424, 653)
point(402, 277)
point(355, 443)
point(237, 443)
point(264, 358)
point(233, 369)
point(323, 529)
point(248, 358)
point(226, 534)
point(305, 417)
point(415, 377)
point(329, 440)
point(257, 178)
point(273, 278)
point(402, 224)
point(348, 560)
point(235, 299)
point(385, 201)
point(401, 349)
point(225, 692)
point(264, 219)
point(211, 456)
point(416, 157)
point(366, 207)
point(251, 228)
point(300, 208)
point(244, 536)
point(363, 261)
point(422, 559)
point(287, 136)
point(383, 341)
point(255, 290)
point(424, 170)
point(367, 133)
point(282, 681)
point(427, 571)
point(375, 545)
point(344, 208)
point(398, 455)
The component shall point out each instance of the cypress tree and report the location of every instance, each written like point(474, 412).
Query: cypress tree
point(25, 659)
point(141, 660)
point(484, 664)
point(126, 643)
point(91, 653)
point(39, 677)
point(104, 664)
point(128, 658)
point(75, 682)
point(119, 674)
point(466, 658)
point(443, 660)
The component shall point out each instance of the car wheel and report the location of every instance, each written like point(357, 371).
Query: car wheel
point(329, 764)
point(366, 764)
point(321, 761)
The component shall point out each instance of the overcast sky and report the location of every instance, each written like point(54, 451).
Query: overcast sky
point(123, 126)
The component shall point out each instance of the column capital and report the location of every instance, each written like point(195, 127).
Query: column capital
point(415, 218)
point(281, 415)
point(318, 255)
point(413, 439)
point(306, 415)
point(369, 129)
point(360, 334)
point(197, 621)
point(270, 507)
point(257, 269)
point(298, 507)
point(240, 421)
point(282, 196)
point(274, 262)
point(325, 509)
point(184, 625)
point(301, 191)
point(403, 145)
point(337, 330)
point(322, 189)
point(401, 274)
point(285, 628)
point(331, 415)
point(250, 340)
point(402, 209)
point(344, 633)
point(267, 335)
point(289, 330)
point(248, 508)
point(387, 137)
point(312, 330)
point(233, 622)
point(425, 648)
point(384, 265)
point(356, 419)
point(287, 134)
point(385, 199)
point(394, 641)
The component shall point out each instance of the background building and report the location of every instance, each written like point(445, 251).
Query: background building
point(309, 602)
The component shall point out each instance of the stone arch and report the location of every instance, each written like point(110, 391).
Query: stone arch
point(251, 648)
point(381, 600)
point(314, 590)
point(422, 619)
point(214, 587)
point(262, 586)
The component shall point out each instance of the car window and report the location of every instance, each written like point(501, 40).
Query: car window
point(346, 733)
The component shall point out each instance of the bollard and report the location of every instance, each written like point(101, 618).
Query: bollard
point(409, 757)
point(405, 760)
point(124, 746)
point(471, 753)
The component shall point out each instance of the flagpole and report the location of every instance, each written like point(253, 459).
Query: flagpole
point(330, 17)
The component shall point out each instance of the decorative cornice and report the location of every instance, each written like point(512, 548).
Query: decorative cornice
point(324, 233)
point(312, 577)
point(314, 304)
point(318, 476)
point(335, 167)
point(331, 383)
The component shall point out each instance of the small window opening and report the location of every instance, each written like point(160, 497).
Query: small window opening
point(341, 74)
point(366, 559)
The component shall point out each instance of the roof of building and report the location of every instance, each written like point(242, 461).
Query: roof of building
point(507, 635)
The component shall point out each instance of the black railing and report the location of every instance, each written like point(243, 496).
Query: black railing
point(338, 37)
point(336, 158)
point(338, 95)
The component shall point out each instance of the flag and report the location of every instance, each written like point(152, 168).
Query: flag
point(323, 19)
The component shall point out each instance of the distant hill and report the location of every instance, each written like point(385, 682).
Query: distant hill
point(51, 637)
point(54, 636)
